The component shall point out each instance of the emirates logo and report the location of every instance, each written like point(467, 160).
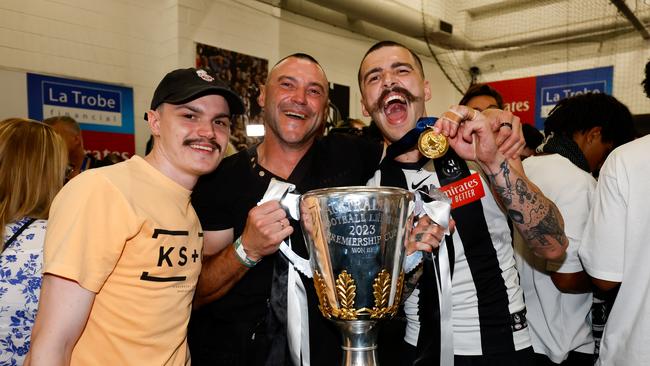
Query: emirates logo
point(204, 75)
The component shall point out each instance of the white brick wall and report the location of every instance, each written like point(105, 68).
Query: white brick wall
point(135, 42)
point(118, 42)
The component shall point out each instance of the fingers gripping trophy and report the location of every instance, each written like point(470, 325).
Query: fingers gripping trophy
point(356, 237)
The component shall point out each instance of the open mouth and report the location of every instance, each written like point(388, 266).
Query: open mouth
point(395, 107)
point(294, 115)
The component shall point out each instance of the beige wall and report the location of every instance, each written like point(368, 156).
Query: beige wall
point(135, 42)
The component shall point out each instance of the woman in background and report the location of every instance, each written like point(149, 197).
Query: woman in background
point(33, 161)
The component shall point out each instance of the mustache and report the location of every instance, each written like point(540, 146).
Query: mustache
point(215, 145)
point(379, 103)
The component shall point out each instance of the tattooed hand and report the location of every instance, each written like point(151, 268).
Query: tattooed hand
point(426, 236)
point(536, 217)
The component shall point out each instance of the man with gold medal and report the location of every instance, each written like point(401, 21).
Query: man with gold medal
point(473, 158)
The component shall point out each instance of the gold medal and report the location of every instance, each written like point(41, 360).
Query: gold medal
point(432, 145)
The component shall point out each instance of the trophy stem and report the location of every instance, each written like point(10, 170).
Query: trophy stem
point(359, 342)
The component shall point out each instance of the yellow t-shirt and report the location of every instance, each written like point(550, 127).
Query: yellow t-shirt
point(129, 234)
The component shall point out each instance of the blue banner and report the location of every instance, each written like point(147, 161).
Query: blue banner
point(97, 107)
point(550, 89)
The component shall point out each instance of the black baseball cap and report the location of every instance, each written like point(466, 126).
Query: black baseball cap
point(184, 85)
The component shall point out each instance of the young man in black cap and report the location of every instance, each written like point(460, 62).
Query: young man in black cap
point(123, 250)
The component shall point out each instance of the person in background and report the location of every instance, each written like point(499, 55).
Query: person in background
point(533, 138)
point(353, 123)
point(359, 128)
point(615, 251)
point(487, 324)
point(33, 159)
point(124, 245)
point(350, 126)
point(582, 130)
point(482, 97)
point(78, 160)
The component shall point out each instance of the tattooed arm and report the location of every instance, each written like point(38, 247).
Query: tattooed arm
point(482, 137)
point(535, 216)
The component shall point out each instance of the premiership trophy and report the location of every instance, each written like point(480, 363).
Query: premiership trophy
point(356, 238)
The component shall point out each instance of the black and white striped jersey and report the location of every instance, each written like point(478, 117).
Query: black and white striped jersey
point(489, 315)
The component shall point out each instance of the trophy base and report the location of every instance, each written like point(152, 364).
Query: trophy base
point(359, 342)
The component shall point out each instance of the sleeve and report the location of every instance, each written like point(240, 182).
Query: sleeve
point(602, 250)
point(575, 206)
point(210, 200)
point(90, 222)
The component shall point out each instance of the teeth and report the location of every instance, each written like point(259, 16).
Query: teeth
point(292, 114)
point(201, 147)
point(395, 97)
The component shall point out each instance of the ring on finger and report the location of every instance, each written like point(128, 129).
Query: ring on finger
point(475, 114)
point(449, 119)
point(506, 124)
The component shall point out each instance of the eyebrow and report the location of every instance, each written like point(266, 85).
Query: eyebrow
point(187, 106)
point(221, 115)
point(371, 71)
point(491, 106)
point(313, 83)
point(198, 110)
point(394, 65)
point(399, 64)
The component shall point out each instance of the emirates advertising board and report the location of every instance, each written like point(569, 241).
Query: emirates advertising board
point(104, 111)
point(532, 98)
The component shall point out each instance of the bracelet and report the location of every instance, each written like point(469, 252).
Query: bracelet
point(241, 254)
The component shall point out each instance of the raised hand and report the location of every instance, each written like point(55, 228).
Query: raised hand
point(481, 135)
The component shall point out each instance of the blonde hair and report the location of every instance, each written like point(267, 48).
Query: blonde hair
point(33, 159)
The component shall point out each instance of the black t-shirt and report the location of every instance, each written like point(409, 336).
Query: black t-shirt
point(222, 200)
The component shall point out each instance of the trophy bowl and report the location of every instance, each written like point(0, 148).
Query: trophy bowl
point(356, 238)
